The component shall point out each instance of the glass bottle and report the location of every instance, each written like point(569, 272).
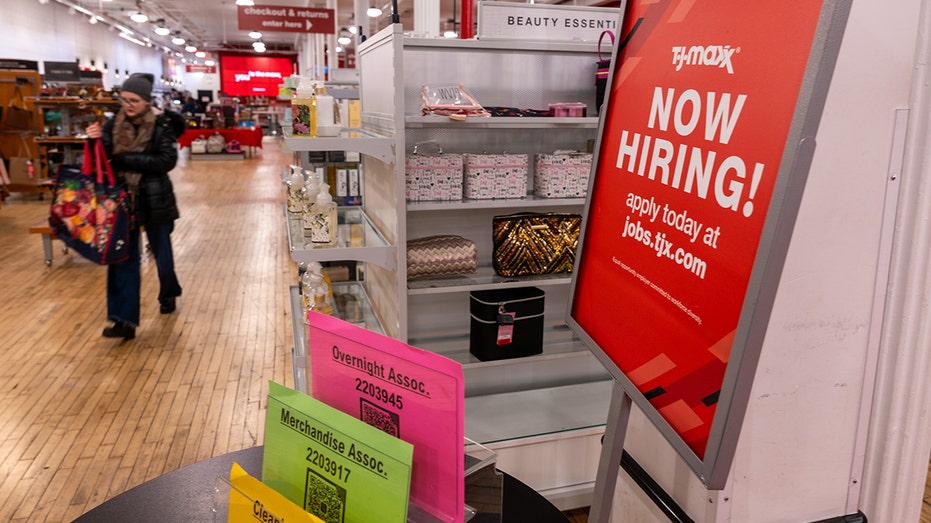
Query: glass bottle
point(323, 218)
point(295, 190)
point(303, 110)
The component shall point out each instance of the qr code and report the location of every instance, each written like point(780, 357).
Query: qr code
point(380, 418)
point(324, 499)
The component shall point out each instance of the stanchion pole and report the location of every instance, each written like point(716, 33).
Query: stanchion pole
point(612, 447)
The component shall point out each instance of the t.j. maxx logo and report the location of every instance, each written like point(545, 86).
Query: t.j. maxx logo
point(707, 55)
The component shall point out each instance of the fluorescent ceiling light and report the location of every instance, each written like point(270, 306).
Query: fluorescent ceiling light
point(127, 36)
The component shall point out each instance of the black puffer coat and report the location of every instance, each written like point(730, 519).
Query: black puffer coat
point(156, 201)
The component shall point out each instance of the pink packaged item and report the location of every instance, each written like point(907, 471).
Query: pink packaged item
point(568, 109)
point(436, 176)
point(561, 175)
point(490, 176)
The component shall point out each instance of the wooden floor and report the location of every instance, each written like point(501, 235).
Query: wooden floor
point(84, 417)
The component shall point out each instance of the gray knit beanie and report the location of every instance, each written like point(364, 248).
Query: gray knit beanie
point(141, 84)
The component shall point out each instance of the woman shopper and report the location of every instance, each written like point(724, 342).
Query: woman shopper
point(141, 144)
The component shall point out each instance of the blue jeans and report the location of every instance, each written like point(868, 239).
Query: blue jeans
point(124, 280)
point(159, 235)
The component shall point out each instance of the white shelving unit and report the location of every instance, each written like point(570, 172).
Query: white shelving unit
point(562, 394)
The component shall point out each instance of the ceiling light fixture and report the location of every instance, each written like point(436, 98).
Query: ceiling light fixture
point(258, 46)
point(190, 49)
point(373, 12)
point(139, 17)
point(255, 35)
point(209, 62)
point(200, 54)
point(161, 29)
point(353, 29)
point(92, 20)
point(245, 2)
point(177, 40)
point(129, 37)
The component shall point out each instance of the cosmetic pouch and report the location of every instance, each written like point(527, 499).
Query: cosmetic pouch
point(441, 255)
point(528, 244)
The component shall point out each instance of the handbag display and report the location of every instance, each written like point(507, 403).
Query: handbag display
point(506, 323)
point(15, 116)
point(528, 244)
point(199, 145)
point(441, 255)
point(89, 210)
point(216, 143)
point(449, 100)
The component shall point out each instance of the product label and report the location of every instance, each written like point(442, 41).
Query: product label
point(416, 395)
point(331, 464)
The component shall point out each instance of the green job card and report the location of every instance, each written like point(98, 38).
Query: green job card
point(338, 468)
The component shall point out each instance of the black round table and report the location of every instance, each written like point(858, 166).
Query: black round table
point(188, 495)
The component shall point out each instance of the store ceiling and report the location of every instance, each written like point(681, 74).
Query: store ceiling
point(213, 25)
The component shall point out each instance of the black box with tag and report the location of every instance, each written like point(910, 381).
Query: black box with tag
point(506, 323)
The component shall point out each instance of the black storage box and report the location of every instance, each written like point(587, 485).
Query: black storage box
point(506, 323)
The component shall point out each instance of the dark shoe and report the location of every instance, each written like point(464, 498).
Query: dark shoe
point(167, 306)
point(120, 330)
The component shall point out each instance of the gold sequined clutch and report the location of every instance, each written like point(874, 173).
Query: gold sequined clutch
point(535, 243)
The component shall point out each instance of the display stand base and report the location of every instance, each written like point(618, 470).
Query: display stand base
point(612, 449)
point(217, 156)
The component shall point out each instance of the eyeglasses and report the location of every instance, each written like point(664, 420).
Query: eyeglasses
point(131, 103)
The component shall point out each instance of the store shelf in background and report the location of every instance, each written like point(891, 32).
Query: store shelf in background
point(357, 239)
point(494, 122)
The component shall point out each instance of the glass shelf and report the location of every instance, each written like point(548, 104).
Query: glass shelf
point(357, 239)
point(511, 203)
point(365, 142)
point(484, 279)
point(497, 122)
point(358, 312)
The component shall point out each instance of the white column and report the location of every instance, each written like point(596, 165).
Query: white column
point(900, 429)
point(427, 18)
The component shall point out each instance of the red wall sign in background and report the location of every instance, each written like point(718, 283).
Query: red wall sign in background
point(701, 104)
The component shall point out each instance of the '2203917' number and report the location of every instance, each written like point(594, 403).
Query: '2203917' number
point(382, 395)
point(324, 463)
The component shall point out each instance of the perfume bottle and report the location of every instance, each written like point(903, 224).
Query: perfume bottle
point(323, 218)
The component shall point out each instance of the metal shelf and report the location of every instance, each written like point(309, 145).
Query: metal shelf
point(514, 203)
point(484, 279)
point(357, 239)
point(365, 142)
point(493, 122)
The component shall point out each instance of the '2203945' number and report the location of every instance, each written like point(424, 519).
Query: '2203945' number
point(382, 395)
